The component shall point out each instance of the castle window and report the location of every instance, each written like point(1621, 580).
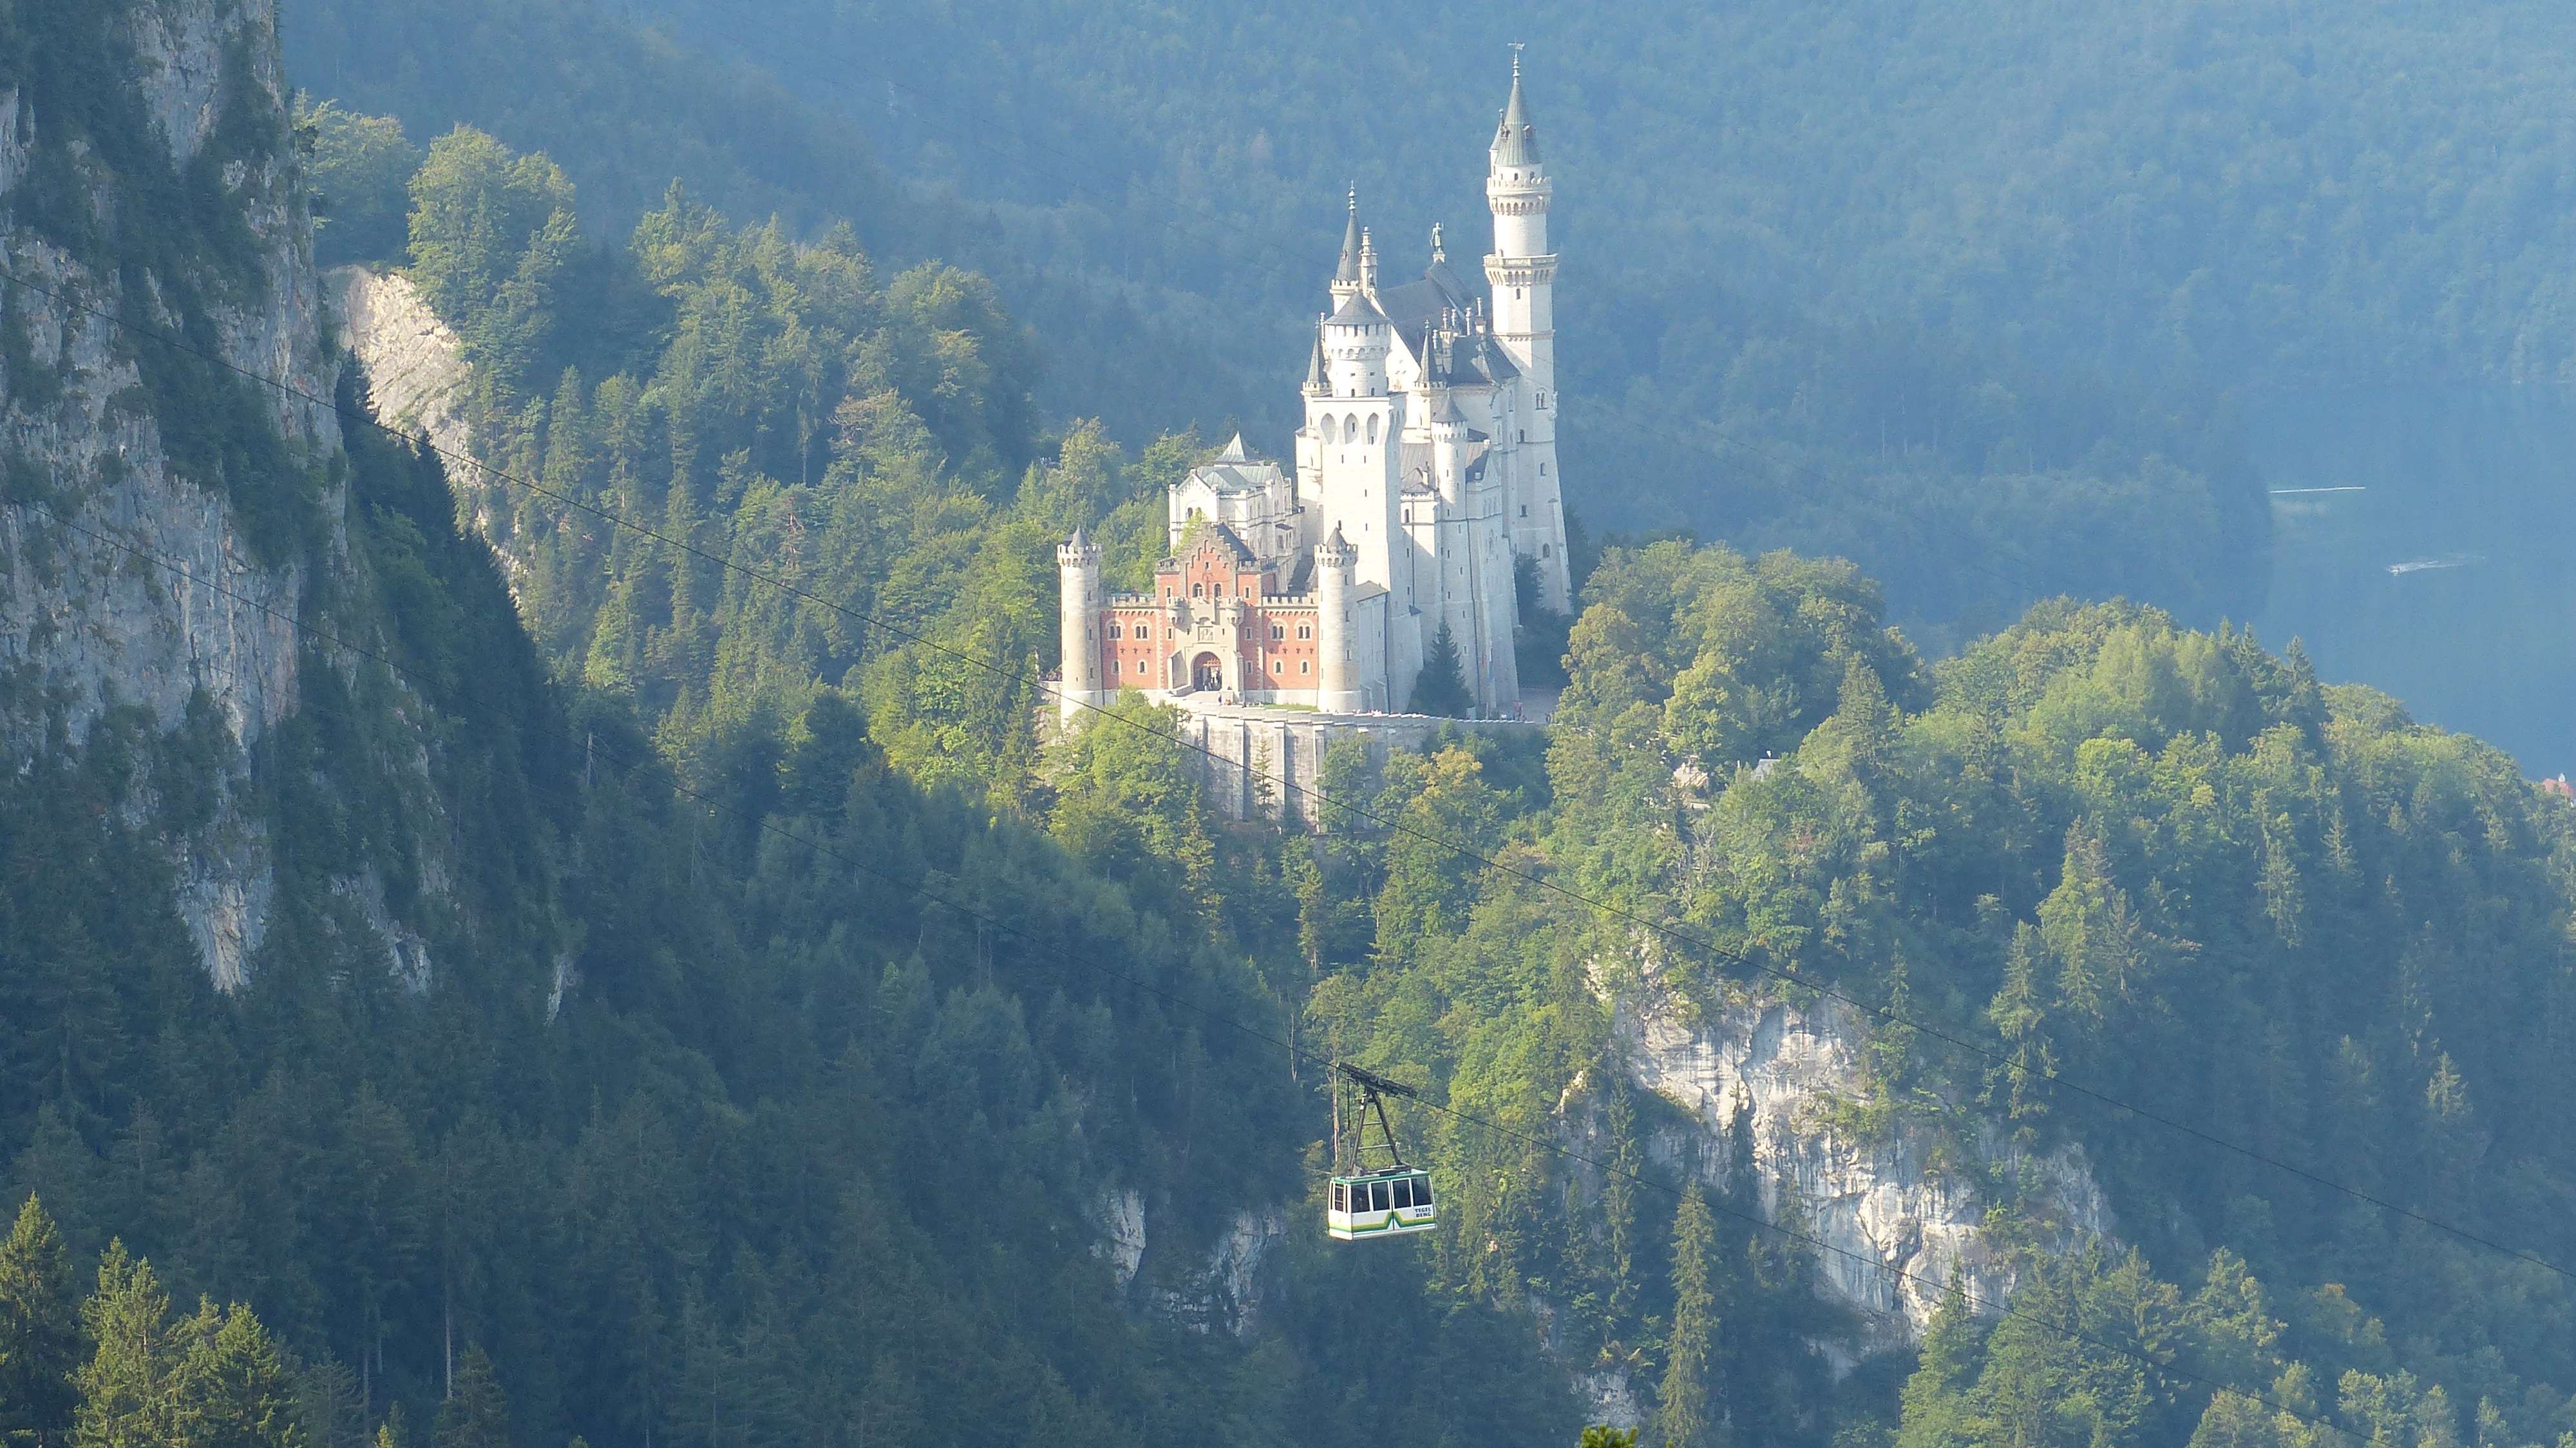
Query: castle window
point(1350, 427)
point(1542, 470)
point(1198, 590)
point(1546, 550)
point(1305, 666)
point(1113, 628)
point(1278, 631)
point(1305, 630)
point(1524, 510)
point(1276, 666)
point(1372, 428)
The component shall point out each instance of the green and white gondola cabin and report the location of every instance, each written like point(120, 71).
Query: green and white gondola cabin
point(1380, 1204)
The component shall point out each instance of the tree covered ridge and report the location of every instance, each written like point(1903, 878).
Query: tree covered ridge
point(2098, 843)
point(2257, 195)
point(703, 1132)
point(2165, 865)
point(865, 456)
point(694, 1129)
point(2168, 866)
point(1159, 264)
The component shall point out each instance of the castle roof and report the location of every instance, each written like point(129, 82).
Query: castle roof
point(1215, 537)
point(1439, 291)
point(1516, 140)
point(1357, 311)
point(1475, 360)
point(1235, 471)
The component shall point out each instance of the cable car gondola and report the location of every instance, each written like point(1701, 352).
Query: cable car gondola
point(1390, 1200)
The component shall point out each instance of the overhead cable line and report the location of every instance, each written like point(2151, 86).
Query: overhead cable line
point(1048, 943)
point(1689, 941)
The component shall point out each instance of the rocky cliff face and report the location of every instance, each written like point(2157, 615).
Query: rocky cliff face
point(415, 365)
point(1894, 1226)
point(1216, 1289)
point(173, 477)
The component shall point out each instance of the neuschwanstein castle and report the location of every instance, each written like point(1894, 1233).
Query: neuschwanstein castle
point(1426, 467)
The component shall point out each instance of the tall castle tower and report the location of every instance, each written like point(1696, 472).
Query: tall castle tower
point(1338, 687)
point(1078, 621)
point(1355, 427)
point(1523, 274)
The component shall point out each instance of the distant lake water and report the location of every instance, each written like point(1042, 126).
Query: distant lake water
point(2449, 578)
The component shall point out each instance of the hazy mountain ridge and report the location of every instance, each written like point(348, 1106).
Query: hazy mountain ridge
point(1170, 288)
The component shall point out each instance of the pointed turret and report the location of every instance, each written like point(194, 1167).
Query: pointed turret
point(1316, 383)
point(1516, 140)
point(1346, 278)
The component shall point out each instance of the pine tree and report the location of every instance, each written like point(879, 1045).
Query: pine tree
point(329, 1412)
point(1619, 1202)
point(126, 1397)
point(230, 1389)
point(1683, 1399)
point(40, 1333)
point(1936, 1410)
point(1441, 688)
point(476, 1413)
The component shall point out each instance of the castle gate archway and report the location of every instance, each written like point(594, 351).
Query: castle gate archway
point(1207, 673)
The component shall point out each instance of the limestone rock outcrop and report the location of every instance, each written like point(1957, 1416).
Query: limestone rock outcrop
point(174, 485)
point(414, 363)
point(1892, 1225)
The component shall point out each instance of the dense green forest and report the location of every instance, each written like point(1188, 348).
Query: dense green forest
point(1977, 274)
point(788, 1018)
point(1169, 259)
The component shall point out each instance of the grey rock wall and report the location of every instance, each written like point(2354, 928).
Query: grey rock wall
point(125, 581)
point(1893, 1226)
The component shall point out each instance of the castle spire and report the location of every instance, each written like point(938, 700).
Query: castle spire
point(1516, 140)
point(1349, 272)
point(1316, 385)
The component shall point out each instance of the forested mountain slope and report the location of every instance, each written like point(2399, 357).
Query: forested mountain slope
point(356, 974)
point(590, 988)
point(2263, 192)
point(1160, 202)
point(1962, 260)
point(2165, 864)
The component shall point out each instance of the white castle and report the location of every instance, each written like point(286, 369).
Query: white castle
point(1425, 471)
